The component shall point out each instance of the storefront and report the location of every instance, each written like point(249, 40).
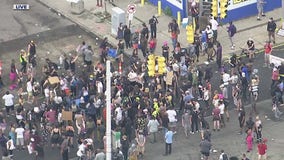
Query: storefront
point(237, 9)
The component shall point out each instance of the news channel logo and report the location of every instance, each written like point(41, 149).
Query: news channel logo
point(21, 7)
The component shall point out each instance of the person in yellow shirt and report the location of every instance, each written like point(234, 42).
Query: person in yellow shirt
point(23, 61)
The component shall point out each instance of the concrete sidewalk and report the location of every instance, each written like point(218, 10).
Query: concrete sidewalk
point(247, 28)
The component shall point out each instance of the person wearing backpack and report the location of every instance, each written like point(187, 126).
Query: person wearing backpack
point(223, 156)
point(232, 30)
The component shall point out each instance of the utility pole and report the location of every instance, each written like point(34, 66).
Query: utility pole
point(282, 11)
point(108, 110)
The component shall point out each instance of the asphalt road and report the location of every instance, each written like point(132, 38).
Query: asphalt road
point(187, 148)
point(53, 35)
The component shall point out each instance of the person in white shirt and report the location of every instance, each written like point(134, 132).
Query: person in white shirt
point(222, 112)
point(172, 118)
point(153, 126)
point(10, 146)
point(30, 90)
point(100, 87)
point(209, 33)
point(20, 137)
point(132, 76)
point(214, 27)
point(81, 153)
point(9, 102)
point(46, 94)
point(118, 113)
point(206, 97)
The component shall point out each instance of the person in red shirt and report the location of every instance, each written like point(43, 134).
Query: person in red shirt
point(262, 147)
point(267, 53)
point(152, 45)
point(275, 75)
point(51, 116)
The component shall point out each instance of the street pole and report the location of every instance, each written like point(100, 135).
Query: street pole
point(108, 111)
point(282, 11)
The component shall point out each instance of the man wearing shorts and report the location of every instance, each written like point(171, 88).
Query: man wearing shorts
point(20, 137)
point(205, 147)
point(262, 147)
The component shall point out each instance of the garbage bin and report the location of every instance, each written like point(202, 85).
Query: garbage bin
point(77, 6)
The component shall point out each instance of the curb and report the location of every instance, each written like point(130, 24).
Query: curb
point(226, 57)
point(80, 25)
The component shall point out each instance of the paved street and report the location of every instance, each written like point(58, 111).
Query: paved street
point(53, 34)
point(227, 139)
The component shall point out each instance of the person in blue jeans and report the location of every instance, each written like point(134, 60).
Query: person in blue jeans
point(169, 140)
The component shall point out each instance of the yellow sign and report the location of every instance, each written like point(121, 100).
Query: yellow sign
point(239, 1)
point(169, 78)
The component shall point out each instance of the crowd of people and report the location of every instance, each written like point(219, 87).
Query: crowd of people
point(142, 106)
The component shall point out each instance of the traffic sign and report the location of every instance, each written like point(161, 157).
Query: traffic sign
point(131, 8)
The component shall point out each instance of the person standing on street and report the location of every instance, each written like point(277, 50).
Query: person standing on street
point(88, 57)
point(262, 147)
point(153, 26)
point(9, 102)
point(173, 28)
point(153, 126)
point(267, 53)
point(144, 36)
point(250, 48)
point(232, 30)
point(64, 147)
point(219, 55)
point(23, 61)
point(249, 140)
point(258, 129)
point(271, 27)
point(165, 51)
point(169, 140)
point(141, 141)
point(223, 156)
point(99, 3)
point(216, 118)
point(244, 157)
point(242, 119)
point(31, 50)
point(259, 6)
point(205, 147)
point(186, 122)
point(127, 37)
point(214, 27)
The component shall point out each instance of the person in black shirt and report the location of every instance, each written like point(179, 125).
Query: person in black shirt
point(271, 27)
point(241, 116)
point(153, 26)
point(127, 36)
point(165, 51)
point(31, 50)
point(144, 32)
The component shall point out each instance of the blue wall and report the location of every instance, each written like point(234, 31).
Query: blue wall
point(174, 9)
point(232, 15)
point(250, 10)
